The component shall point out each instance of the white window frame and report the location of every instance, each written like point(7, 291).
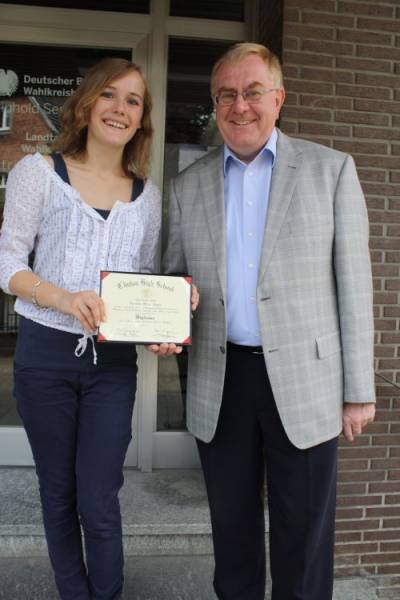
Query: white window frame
point(5, 116)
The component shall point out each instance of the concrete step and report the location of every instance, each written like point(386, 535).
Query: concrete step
point(167, 537)
point(146, 578)
point(164, 512)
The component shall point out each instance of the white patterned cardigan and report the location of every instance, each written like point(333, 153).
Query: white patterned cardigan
point(72, 242)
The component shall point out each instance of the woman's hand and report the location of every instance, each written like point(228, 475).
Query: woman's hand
point(85, 306)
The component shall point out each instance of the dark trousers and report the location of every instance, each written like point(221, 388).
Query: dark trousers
point(301, 490)
point(78, 423)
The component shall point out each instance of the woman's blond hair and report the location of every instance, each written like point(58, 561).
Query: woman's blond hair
point(76, 114)
point(240, 51)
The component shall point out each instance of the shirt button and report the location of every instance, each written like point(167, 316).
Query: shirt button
point(252, 299)
point(250, 233)
point(251, 265)
point(250, 202)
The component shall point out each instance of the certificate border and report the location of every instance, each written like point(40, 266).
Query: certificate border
point(186, 342)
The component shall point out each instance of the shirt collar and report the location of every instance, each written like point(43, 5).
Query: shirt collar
point(269, 147)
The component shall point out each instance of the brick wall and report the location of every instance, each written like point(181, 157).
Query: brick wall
point(342, 72)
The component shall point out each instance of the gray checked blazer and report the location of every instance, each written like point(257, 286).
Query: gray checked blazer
point(314, 292)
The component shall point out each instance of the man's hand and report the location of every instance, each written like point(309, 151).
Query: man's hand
point(169, 349)
point(195, 297)
point(164, 349)
point(355, 417)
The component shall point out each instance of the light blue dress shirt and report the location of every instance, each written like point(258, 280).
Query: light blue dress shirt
point(246, 194)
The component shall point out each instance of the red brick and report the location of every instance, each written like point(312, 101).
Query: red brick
point(364, 37)
point(327, 47)
point(394, 205)
point(376, 133)
point(387, 162)
point(310, 31)
point(380, 558)
point(386, 569)
point(357, 453)
point(345, 476)
point(363, 64)
point(342, 537)
point(385, 440)
point(383, 216)
point(389, 81)
point(351, 488)
point(357, 501)
point(391, 311)
point(318, 5)
point(379, 25)
point(326, 75)
point(357, 8)
point(333, 102)
point(362, 148)
point(388, 52)
point(386, 271)
point(301, 58)
point(334, 20)
point(316, 114)
point(376, 106)
point(364, 118)
point(386, 325)
point(390, 547)
point(360, 91)
point(361, 548)
point(360, 524)
point(382, 535)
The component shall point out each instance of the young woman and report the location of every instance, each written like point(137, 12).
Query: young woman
point(88, 207)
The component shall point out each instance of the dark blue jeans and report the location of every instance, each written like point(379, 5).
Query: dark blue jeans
point(78, 420)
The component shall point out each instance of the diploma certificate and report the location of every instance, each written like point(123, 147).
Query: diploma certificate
point(145, 309)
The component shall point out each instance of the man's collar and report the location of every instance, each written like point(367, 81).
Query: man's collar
point(270, 147)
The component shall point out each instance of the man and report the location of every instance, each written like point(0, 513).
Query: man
point(274, 232)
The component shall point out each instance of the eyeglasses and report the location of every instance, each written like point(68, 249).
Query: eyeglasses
point(252, 96)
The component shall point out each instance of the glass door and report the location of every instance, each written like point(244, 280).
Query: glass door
point(40, 66)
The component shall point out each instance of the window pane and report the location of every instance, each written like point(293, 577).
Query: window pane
point(190, 133)
point(34, 83)
point(130, 6)
point(229, 10)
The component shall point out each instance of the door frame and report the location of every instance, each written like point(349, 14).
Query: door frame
point(147, 36)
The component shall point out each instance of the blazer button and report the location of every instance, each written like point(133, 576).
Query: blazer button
point(222, 301)
point(222, 349)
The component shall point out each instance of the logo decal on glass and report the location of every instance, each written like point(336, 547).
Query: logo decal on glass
point(8, 82)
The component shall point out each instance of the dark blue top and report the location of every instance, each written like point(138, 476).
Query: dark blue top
point(61, 169)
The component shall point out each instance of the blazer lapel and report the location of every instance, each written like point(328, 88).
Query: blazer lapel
point(212, 193)
point(282, 187)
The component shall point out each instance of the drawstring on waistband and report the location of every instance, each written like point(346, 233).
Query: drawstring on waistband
point(82, 345)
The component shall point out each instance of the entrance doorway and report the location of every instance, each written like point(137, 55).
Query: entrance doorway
point(176, 44)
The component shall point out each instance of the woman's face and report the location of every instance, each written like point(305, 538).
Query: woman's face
point(117, 113)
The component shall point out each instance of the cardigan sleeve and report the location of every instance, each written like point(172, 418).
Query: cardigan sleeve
point(23, 210)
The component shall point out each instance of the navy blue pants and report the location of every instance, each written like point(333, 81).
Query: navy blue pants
point(78, 420)
point(301, 488)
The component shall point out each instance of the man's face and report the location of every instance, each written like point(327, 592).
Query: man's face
point(245, 127)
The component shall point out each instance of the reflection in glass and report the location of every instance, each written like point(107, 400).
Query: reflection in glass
point(229, 10)
point(191, 132)
point(129, 6)
point(34, 83)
